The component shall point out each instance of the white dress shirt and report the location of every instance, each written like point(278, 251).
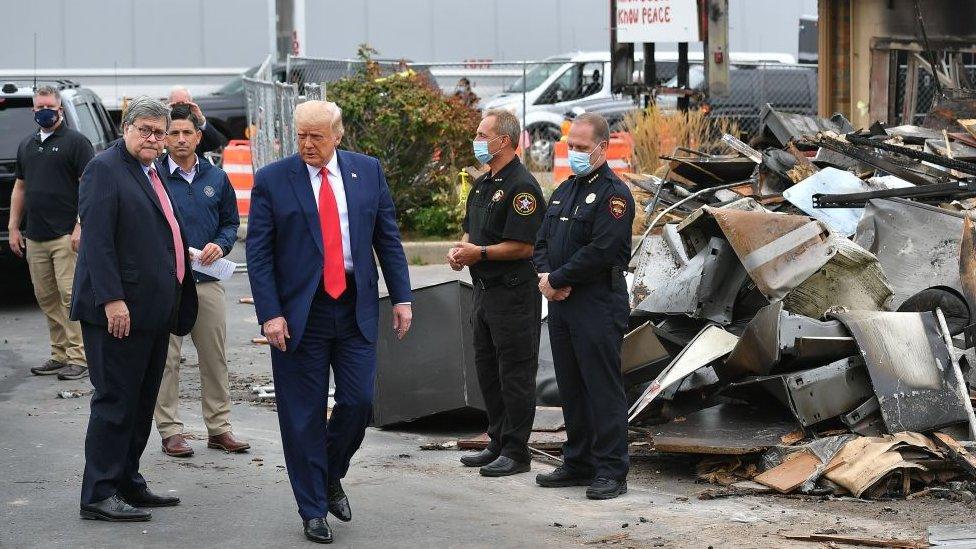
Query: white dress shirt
point(339, 191)
point(187, 176)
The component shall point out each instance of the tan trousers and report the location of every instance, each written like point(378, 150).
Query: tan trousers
point(52, 270)
point(209, 335)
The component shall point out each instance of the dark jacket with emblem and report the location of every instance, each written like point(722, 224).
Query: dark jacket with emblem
point(586, 234)
point(208, 206)
point(507, 205)
point(127, 250)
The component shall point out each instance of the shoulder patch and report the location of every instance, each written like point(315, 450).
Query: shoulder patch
point(524, 203)
point(618, 207)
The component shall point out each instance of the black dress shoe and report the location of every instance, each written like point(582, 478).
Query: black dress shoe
point(560, 477)
point(480, 459)
point(145, 498)
point(504, 466)
point(113, 509)
point(317, 530)
point(606, 488)
point(338, 502)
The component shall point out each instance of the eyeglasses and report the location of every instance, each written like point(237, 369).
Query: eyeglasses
point(145, 132)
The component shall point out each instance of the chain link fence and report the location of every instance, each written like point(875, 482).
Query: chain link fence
point(270, 117)
point(920, 84)
point(541, 93)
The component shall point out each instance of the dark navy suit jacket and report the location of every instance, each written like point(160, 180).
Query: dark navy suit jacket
point(284, 242)
point(126, 249)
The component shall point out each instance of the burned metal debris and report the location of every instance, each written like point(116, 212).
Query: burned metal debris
point(819, 308)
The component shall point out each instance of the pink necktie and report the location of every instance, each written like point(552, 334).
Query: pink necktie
point(171, 219)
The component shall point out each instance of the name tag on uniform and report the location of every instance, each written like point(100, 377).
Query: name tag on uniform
point(555, 201)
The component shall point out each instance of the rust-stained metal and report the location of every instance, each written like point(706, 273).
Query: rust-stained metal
point(778, 251)
point(967, 260)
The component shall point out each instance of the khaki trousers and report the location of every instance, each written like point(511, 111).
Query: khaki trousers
point(209, 335)
point(52, 270)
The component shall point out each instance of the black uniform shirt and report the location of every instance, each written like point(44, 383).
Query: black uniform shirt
point(51, 171)
point(587, 229)
point(507, 205)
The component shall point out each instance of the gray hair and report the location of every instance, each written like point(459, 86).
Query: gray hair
point(145, 107)
point(506, 123)
point(601, 130)
point(48, 90)
point(320, 112)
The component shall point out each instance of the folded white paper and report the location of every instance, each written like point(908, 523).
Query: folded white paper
point(220, 269)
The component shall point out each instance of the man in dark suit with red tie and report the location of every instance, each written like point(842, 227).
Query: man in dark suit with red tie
point(316, 219)
point(132, 289)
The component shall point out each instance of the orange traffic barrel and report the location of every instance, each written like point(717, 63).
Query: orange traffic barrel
point(619, 152)
point(237, 164)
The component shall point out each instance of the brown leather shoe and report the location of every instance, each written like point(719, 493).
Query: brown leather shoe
point(176, 446)
point(227, 443)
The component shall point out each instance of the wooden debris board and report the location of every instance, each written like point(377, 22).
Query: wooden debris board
point(724, 429)
point(957, 452)
point(791, 474)
point(867, 542)
point(543, 441)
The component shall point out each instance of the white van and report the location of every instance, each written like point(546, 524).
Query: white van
point(556, 85)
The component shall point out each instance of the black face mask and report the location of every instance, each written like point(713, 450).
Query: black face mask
point(46, 118)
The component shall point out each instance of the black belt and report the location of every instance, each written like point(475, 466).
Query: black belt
point(519, 275)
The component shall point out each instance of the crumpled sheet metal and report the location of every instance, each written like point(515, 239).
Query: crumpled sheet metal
point(813, 395)
point(660, 258)
point(776, 341)
point(779, 251)
point(833, 181)
point(853, 279)
point(705, 287)
point(918, 245)
point(910, 368)
point(710, 344)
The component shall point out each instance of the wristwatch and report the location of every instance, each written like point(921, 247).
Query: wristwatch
point(484, 252)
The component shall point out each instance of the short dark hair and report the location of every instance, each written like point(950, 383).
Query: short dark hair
point(601, 130)
point(183, 112)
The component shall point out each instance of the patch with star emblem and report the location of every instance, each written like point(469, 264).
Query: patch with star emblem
point(618, 207)
point(524, 203)
point(499, 194)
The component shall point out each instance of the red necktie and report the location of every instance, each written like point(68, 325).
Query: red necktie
point(167, 206)
point(334, 270)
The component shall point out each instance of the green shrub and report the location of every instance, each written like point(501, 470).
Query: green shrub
point(421, 137)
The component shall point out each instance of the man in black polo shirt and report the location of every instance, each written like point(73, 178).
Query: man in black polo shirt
point(504, 212)
point(45, 197)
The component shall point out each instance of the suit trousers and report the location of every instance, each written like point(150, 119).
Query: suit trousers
point(317, 449)
point(52, 270)
point(209, 336)
point(125, 373)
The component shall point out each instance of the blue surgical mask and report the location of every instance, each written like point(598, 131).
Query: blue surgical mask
point(481, 151)
point(579, 161)
point(46, 118)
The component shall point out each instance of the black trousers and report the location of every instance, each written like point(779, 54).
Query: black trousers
point(126, 374)
point(506, 323)
point(586, 331)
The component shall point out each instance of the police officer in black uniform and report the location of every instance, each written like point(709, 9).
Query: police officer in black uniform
point(581, 253)
point(503, 214)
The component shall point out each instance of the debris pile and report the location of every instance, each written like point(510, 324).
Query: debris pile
point(803, 314)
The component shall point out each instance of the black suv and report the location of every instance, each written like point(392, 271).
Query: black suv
point(83, 111)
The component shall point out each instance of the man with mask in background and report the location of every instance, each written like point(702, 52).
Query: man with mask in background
point(45, 197)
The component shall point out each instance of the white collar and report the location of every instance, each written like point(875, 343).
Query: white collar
point(332, 166)
point(173, 166)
